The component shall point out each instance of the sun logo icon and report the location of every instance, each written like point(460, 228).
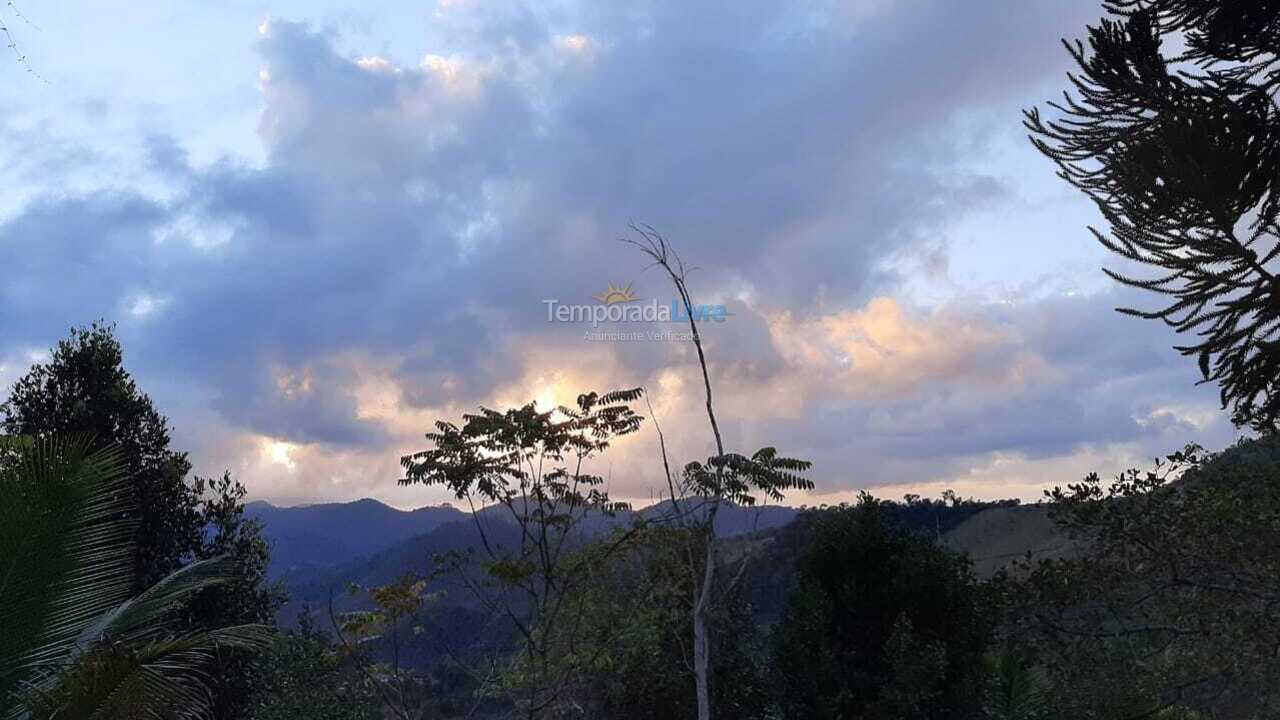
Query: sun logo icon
point(616, 295)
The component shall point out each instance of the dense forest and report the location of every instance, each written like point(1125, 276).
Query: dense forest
point(132, 588)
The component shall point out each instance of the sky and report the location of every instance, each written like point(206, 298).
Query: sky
point(320, 228)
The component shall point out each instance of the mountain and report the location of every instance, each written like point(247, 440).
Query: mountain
point(771, 539)
point(458, 532)
point(306, 538)
point(308, 541)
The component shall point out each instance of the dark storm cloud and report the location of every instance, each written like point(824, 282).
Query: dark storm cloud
point(419, 214)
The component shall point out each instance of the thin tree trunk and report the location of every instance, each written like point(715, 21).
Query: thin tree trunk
point(658, 250)
point(701, 636)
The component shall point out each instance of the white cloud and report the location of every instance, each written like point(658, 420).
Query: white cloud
point(142, 305)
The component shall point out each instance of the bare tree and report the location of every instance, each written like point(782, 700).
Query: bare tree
point(724, 477)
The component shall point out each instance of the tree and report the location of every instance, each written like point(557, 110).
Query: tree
point(304, 676)
point(724, 477)
point(84, 389)
point(1179, 147)
point(1172, 605)
point(246, 597)
point(1015, 688)
point(227, 533)
point(397, 608)
point(632, 657)
point(73, 643)
point(531, 467)
point(883, 623)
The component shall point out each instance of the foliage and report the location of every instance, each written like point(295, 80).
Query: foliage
point(1015, 689)
point(769, 576)
point(246, 597)
point(532, 467)
point(139, 661)
point(305, 676)
point(60, 531)
point(883, 623)
point(1172, 607)
point(84, 389)
point(72, 643)
point(397, 610)
point(226, 532)
point(738, 479)
point(498, 457)
point(937, 516)
point(631, 655)
point(1175, 135)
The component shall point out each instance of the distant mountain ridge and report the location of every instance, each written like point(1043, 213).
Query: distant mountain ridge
point(305, 538)
point(771, 538)
point(308, 541)
point(316, 584)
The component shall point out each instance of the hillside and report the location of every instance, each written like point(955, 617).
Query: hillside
point(996, 537)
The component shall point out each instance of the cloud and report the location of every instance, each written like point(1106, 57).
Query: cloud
point(310, 315)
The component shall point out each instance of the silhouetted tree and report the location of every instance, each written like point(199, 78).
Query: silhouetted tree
point(883, 623)
point(306, 676)
point(84, 389)
point(246, 598)
point(397, 609)
point(532, 467)
point(632, 656)
point(1172, 604)
point(725, 477)
point(1173, 132)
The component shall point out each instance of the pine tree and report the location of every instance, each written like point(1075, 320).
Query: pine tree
point(1172, 130)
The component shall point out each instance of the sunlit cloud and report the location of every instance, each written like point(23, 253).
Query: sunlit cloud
point(279, 453)
point(376, 64)
point(578, 45)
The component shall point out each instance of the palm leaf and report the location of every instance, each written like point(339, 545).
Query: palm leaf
point(165, 679)
point(72, 642)
point(152, 614)
point(65, 548)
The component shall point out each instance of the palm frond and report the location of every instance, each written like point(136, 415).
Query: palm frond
point(65, 547)
point(152, 614)
point(72, 642)
point(165, 679)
